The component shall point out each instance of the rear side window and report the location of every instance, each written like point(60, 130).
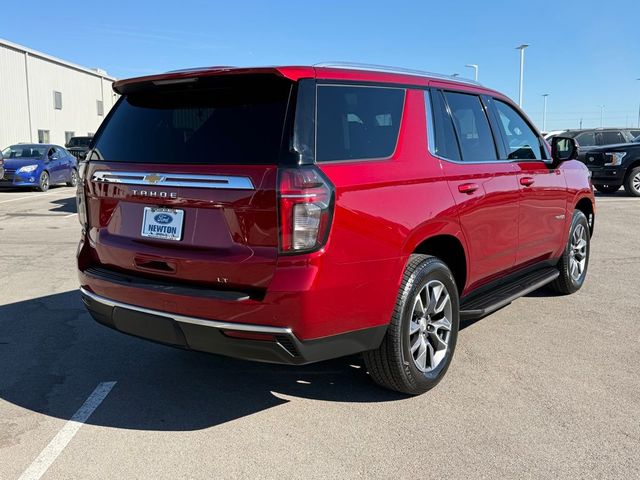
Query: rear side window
point(586, 139)
point(235, 121)
point(522, 142)
point(609, 138)
point(471, 123)
point(442, 137)
point(354, 122)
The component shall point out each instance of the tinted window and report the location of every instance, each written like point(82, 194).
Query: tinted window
point(609, 138)
point(79, 141)
point(443, 137)
point(586, 139)
point(522, 142)
point(357, 122)
point(474, 133)
point(236, 120)
point(634, 133)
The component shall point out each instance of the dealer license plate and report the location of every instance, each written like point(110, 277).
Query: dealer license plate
point(162, 223)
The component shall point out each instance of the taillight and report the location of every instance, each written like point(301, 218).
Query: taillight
point(81, 201)
point(305, 209)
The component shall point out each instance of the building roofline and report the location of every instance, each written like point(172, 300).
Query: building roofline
point(59, 61)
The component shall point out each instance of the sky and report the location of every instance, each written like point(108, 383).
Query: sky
point(583, 53)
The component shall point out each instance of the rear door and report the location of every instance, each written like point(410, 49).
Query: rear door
point(182, 181)
point(543, 189)
point(611, 137)
point(485, 188)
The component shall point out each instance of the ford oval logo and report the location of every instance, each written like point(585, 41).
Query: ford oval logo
point(163, 218)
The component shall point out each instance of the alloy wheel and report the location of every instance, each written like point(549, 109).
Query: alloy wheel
point(578, 252)
point(430, 326)
point(44, 182)
point(635, 183)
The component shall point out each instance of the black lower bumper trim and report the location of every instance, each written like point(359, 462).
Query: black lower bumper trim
point(207, 336)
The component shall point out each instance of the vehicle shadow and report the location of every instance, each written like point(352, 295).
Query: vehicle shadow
point(543, 292)
point(617, 194)
point(54, 355)
point(64, 205)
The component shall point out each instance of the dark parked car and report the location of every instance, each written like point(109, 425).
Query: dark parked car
point(78, 146)
point(298, 214)
point(614, 166)
point(595, 137)
point(38, 165)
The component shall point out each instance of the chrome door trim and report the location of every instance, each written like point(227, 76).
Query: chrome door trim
point(174, 180)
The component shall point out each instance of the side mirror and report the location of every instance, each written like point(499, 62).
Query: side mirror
point(563, 149)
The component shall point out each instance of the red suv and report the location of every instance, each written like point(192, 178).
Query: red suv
point(297, 214)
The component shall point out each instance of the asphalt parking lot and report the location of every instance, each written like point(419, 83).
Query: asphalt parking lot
point(548, 387)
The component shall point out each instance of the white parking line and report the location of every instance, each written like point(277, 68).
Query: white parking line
point(70, 215)
point(31, 197)
point(64, 436)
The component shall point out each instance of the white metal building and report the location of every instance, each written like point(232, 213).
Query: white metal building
point(48, 100)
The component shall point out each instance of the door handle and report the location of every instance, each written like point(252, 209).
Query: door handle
point(468, 188)
point(527, 181)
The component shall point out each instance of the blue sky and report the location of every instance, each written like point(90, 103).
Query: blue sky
point(584, 53)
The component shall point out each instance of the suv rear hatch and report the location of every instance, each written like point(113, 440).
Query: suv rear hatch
point(181, 181)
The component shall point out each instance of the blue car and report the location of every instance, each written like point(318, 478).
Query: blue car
point(38, 165)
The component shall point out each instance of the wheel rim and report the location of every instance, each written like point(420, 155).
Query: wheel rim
point(430, 326)
point(74, 178)
point(44, 181)
point(635, 183)
point(578, 252)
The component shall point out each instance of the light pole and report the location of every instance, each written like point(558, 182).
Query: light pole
point(544, 112)
point(521, 48)
point(601, 116)
point(475, 70)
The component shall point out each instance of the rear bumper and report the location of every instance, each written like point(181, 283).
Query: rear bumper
point(278, 344)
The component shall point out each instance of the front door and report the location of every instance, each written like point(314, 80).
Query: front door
point(543, 198)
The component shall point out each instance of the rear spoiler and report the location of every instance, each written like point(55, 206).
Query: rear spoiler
point(129, 85)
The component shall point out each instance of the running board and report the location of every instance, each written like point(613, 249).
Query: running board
point(481, 305)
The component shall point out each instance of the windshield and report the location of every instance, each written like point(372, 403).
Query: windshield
point(637, 139)
point(79, 142)
point(230, 121)
point(24, 151)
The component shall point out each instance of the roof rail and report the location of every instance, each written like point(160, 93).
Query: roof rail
point(398, 70)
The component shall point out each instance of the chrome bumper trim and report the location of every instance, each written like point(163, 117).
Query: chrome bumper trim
point(243, 327)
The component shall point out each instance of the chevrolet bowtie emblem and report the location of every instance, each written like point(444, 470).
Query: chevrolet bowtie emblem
point(153, 178)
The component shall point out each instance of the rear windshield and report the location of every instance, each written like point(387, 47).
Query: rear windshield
point(230, 121)
point(79, 142)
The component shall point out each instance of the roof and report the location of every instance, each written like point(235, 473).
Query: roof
point(327, 71)
point(34, 53)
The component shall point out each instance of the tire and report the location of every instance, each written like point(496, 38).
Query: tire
point(73, 182)
point(607, 188)
point(404, 362)
point(43, 182)
point(574, 262)
point(632, 182)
